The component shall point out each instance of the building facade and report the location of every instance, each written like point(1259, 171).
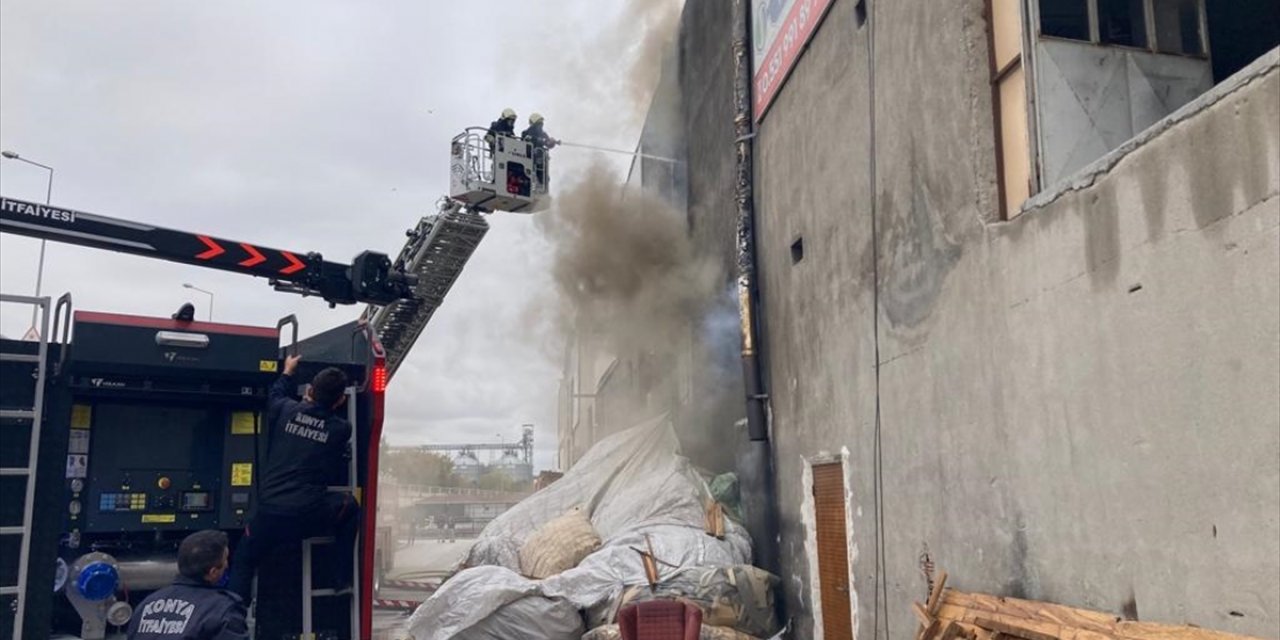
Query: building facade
point(1019, 270)
point(1042, 380)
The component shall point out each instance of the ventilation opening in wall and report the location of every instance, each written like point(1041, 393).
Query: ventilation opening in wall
point(860, 10)
point(833, 550)
point(797, 251)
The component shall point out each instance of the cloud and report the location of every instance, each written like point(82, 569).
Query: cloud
point(316, 126)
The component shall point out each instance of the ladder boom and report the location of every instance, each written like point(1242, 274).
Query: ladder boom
point(437, 250)
point(368, 279)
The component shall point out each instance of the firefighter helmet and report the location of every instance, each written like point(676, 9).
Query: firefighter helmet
point(508, 114)
point(535, 118)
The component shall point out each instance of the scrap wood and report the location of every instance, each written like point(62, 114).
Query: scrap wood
point(949, 614)
point(935, 596)
point(714, 520)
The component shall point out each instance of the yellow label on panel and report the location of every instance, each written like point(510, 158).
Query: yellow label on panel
point(81, 416)
point(268, 365)
point(241, 474)
point(159, 518)
point(243, 423)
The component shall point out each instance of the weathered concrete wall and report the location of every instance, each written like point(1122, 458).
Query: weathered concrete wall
point(812, 184)
point(1079, 405)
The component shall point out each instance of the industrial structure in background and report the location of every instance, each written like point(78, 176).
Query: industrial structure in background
point(514, 460)
point(134, 431)
point(1034, 311)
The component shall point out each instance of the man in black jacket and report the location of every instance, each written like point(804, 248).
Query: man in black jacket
point(306, 453)
point(542, 142)
point(193, 607)
point(505, 125)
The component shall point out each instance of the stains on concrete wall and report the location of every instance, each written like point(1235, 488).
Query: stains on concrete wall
point(917, 252)
point(1100, 212)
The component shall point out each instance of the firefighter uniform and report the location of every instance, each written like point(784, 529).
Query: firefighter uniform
point(307, 449)
point(189, 610)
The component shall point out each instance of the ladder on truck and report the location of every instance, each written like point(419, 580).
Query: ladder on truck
point(437, 250)
point(31, 413)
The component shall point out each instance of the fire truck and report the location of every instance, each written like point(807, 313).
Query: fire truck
point(121, 434)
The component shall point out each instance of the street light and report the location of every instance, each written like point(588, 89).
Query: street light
point(48, 199)
point(188, 285)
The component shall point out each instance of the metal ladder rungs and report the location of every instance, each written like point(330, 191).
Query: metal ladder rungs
point(11, 531)
point(15, 471)
point(8, 591)
point(19, 357)
point(26, 414)
point(322, 593)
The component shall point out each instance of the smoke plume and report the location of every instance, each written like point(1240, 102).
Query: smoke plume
point(624, 266)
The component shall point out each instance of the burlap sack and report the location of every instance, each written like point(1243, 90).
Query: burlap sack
point(558, 545)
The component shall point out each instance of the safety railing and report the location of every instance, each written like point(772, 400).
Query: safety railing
point(471, 154)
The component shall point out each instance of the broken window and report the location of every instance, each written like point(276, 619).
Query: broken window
point(1065, 19)
point(1072, 80)
point(1122, 22)
point(1177, 24)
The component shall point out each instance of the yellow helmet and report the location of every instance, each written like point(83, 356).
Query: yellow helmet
point(508, 114)
point(535, 118)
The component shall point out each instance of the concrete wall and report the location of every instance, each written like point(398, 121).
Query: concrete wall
point(1079, 405)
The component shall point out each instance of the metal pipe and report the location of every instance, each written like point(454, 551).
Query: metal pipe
point(149, 573)
point(761, 507)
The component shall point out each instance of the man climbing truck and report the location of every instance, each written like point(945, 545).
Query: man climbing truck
point(308, 445)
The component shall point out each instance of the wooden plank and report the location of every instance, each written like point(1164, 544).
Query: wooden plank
point(935, 596)
point(951, 632)
point(921, 614)
point(928, 632)
point(1032, 610)
point(1022, 630)
point(1077, 624)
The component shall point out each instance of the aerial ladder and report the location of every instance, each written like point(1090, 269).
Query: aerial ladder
point(488, 173)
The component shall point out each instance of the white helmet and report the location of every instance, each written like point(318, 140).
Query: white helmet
point(535, 118)
point(508, 114)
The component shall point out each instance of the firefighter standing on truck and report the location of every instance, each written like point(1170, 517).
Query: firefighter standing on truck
point(307, 448)
point(194, 607)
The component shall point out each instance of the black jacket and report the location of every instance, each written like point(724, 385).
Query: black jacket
point(538, 136)
point(189, 610)
point(505, 127)
point(307, 451)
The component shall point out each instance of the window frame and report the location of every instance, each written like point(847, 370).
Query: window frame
point(1148, 24)
point(1028, 10)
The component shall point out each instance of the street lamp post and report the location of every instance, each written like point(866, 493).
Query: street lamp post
point(188, 285)
point(48, 199)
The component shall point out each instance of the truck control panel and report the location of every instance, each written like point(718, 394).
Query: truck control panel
point(157, 429)
point(163, 423)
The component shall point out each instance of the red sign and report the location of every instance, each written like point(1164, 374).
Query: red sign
point(788, 41)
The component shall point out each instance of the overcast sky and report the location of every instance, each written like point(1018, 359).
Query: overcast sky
point(310, 126)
